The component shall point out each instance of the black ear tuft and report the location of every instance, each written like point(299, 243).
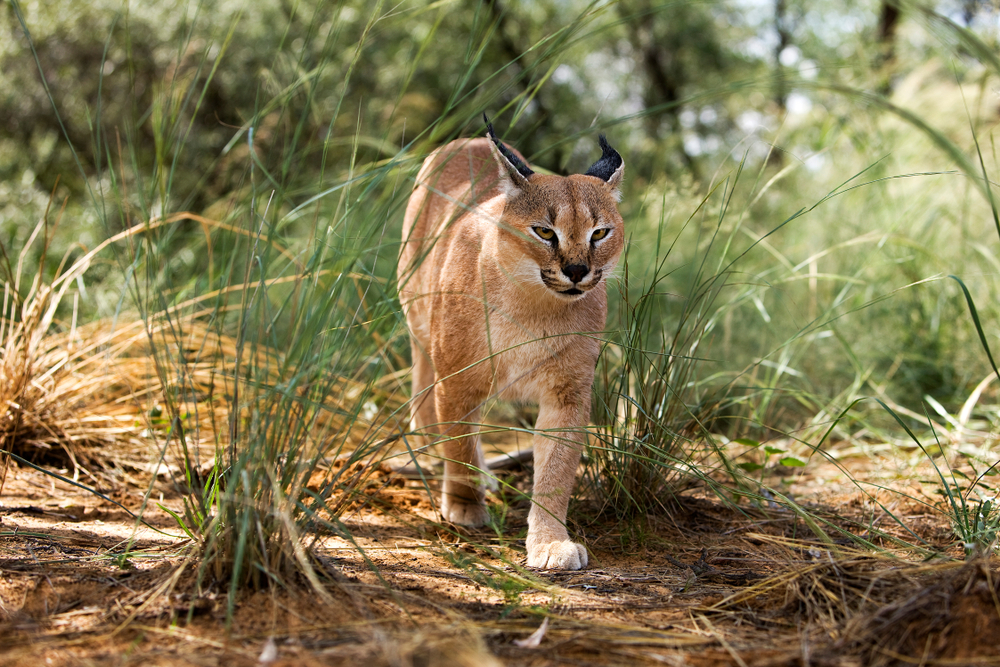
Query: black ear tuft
point(514, 161)
point(609, 163)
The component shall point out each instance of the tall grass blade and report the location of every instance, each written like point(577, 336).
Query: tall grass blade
point(979, 326)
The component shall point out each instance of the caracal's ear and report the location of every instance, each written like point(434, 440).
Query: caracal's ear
point(609, 168)
point(514, 174)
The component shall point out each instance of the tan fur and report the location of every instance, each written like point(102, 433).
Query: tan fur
point(479, 289)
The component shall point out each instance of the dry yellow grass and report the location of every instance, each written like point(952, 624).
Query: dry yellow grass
point(95, 395)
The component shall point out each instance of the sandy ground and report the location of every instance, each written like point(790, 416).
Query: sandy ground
point(708, 584)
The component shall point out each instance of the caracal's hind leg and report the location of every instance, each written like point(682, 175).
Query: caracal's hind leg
point(557, 455)
point(464, 491)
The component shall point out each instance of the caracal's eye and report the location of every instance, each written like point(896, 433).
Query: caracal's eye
point(599, 234)
point(544, 232)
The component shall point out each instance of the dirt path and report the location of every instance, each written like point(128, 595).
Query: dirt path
point(707, 585)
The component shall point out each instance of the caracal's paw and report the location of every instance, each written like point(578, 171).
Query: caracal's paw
point(464, 512)
point(560, 555)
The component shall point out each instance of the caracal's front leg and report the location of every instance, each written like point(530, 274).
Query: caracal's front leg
point(464, 489)
point(558, 443)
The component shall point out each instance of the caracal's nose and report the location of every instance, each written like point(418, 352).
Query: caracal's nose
point(576, 272)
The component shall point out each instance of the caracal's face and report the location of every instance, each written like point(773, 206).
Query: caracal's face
point(564, 235)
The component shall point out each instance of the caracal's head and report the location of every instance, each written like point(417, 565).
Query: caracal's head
point(561, 235)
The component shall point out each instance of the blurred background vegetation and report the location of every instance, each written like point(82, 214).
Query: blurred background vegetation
point(820, 156)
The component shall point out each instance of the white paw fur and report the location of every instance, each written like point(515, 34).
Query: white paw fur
point(561, 555)
point(464, 512)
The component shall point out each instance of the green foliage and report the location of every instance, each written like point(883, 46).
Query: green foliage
point(274, 332)
point(651, 409)
point(975, 523)
point(754, 466)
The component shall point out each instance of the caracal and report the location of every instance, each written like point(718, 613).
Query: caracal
point(503, 281)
